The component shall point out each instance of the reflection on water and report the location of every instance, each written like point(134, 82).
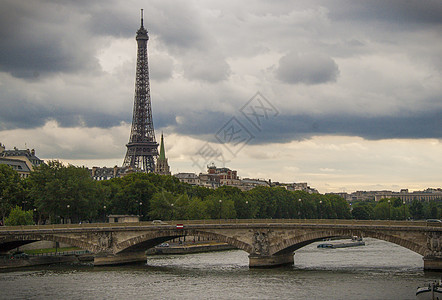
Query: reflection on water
point(378, 270)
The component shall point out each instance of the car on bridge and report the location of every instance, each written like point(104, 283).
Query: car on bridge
point(158, 222)
point(433, 221)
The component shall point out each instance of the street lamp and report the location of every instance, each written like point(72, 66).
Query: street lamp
point(104, 213)
point(35, 218)
point(68, 206)
point(247, 208)
point(405, 216)
point(299, 211)
point(171, 207)
point(320, 209)
point(220, 203)
point(139, 209)
point(389, 209)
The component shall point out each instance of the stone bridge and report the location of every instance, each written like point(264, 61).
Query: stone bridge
point(268, 242)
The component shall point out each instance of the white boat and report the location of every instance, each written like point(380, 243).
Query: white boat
point(354, 242)
point(431, 292)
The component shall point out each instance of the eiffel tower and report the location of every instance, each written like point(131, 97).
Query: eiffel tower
point(142, 148)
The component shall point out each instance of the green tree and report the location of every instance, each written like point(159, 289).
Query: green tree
point(20, 217)
point(132, 194)
point(382, 210)
point(63, 192)
point(197, 209)
point(262, 202)
point(220, 207)
point(162, 206)
point(417, 210)
point(363, 211)
point(11, 190)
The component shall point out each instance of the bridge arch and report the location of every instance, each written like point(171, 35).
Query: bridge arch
point(20, 240)
point(151, 239)
point(296, 242)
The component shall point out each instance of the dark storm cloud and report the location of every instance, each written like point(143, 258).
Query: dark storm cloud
point(285, 128)
point(40, 38)
point(408, 126)
point(20, 113)
point(392, 11)
point(306, 68)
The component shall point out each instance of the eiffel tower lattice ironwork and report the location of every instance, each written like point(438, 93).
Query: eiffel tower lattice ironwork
point(142, 148)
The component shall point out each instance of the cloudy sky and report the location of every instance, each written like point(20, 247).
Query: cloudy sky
point(345, 95)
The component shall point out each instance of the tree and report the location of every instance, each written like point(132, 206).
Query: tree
point(220, 207)
point(61, 192)
point(162, 206)
point(11, 190)
point(382, 210)
point(417, 210)
point(20, 217)
point(363, 211)
point(197, 209)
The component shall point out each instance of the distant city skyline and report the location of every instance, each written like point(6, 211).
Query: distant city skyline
point(353, 89)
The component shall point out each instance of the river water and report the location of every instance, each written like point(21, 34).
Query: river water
point(379, 270)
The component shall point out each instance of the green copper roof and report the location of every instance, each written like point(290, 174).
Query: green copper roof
point(162, 152)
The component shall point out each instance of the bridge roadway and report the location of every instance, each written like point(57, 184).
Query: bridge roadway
point(268, 242)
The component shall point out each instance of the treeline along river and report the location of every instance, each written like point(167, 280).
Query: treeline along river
point(379, 270)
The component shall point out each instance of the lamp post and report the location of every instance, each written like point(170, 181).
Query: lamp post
point(389, 209)
point(405, 215)
point(320, 209)
point(171, 208)
point(299, 211)
point(247, 207)
point(104, 213)
point(220, 203)
point(139, 210)
point(35, 218)
point(67, 220)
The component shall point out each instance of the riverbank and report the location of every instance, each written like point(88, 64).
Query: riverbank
point(37, 260)
point(47, 257)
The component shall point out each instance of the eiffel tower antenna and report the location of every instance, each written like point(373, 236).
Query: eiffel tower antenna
point(142, 149)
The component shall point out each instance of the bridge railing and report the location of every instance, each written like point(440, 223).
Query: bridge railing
point(231, 221)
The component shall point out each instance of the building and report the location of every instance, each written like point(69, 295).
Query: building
point(216, 177)
point(27, 156)
point(162, 166)
point(22, 161)
point(20, 166)
point(250, 183)
point(123, 219)
point(301, 186)
point(407, 197)
point(104, 173)
point(190, 178)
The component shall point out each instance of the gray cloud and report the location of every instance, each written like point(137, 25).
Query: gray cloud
point(161, 67)
point(285, 128)
point(206, 67)
point(41, 38)
point(306, 68)
point(202, 51)
point(394, 11)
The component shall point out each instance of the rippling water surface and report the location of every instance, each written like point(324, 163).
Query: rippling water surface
point(378, 270)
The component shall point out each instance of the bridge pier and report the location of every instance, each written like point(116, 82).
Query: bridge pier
point(269, 261)
point(108, 259)
point(432, 263)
